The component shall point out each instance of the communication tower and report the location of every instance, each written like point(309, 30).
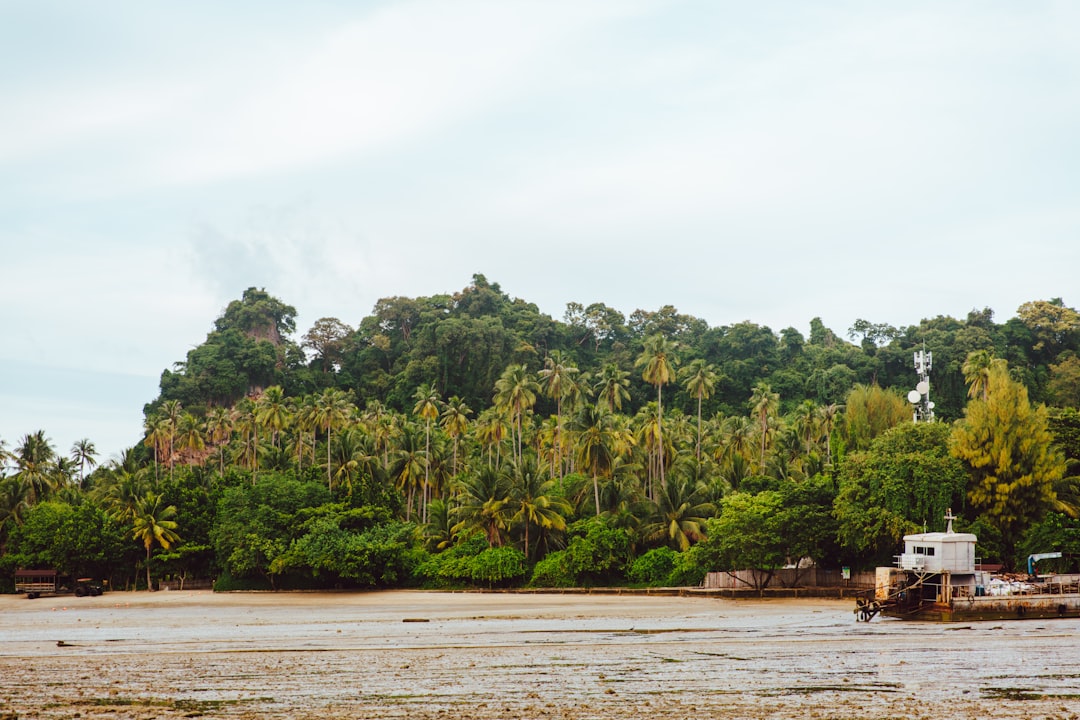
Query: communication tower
point(920, 396)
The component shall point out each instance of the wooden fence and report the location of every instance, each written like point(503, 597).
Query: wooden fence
point(789, 577)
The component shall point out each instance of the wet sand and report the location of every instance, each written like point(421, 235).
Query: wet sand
point(426, 655)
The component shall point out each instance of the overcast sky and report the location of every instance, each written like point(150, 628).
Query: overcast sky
point(765, 161)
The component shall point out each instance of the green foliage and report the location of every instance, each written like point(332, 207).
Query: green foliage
point(248, 432)
point(1055, 532)
point(473, 562)
point(257, 523)
point(74, 540)
point(906, 480)
point(596, 554)
point(1009, 450)
point(653, 568)
point(690, 568)
point(382, 555)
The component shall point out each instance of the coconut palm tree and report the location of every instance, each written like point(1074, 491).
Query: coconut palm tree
point(427, 407)
point(84, 453)
point(680, 513)
point(764, 404)
point(482, 499)
point(219, 427)
point(976, 371)
point(455, 422)
point(699, 379)
point(409, 465)
point(597, 444)
point(490, 433)
point(515, 395)
point(657, 362)
point(556, 378)
point(332, 410)
point(170, 412)
point(611, 387)
point(272, 412)
point(152, 525)
point(189, 436)
point(532, 502)
point(35, 465)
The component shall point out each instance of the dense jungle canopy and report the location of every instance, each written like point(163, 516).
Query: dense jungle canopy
point(469, 439)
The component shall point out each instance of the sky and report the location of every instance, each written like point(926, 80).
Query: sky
point(768, 161)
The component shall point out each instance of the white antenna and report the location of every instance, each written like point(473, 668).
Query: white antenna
point(920, 396)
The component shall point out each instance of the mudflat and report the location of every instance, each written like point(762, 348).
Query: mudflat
point(421, 655)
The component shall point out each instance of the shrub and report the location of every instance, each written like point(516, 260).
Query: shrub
point(653, 568)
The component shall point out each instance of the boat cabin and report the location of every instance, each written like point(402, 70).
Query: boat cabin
point(939, 552)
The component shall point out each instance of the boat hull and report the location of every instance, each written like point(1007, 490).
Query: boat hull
point(1014, 607)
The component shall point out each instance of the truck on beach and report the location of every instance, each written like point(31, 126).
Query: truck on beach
point(937, 578)
point(36, 583)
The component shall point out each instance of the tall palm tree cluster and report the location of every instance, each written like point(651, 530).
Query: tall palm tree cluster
point(517, 477)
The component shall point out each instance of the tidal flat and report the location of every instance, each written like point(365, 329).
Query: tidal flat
point(427, 655)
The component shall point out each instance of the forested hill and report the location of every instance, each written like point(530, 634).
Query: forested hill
point(469, 439)
point(462, 344)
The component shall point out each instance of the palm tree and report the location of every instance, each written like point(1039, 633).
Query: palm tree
point(346, 454)
point(157, 438)
point(427, 407)
point(515, 395)
point(35, 464)
point(153, 524)
point(219, 427)
point(764, 404)
point(455, 421)
point(658, 361)
point(438, 532)
point(490, 432)
point(84, 453)
point(482, 498)
point(248, 429)
point(170, 411)
point(827, 416)
point(611, 387)
point(531, 502)
point(976, 371)
point(680, 513)
point(272, 412)
point(331, 410)
point(190, 438)
point(557, 377)
point(699, 379)
point(597, 439)
point(409, 465)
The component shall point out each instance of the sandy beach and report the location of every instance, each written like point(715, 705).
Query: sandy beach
point(475, 655)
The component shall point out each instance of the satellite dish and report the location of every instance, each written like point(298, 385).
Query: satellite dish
point(923, 387)
point(914, 397)
point(930, 405)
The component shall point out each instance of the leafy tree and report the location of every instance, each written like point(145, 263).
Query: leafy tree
point(905, 481)
point(1007, 446)
point(871, 410)
point(326, 339)
point(747, 535)
point(75, 540)
point(257, 523)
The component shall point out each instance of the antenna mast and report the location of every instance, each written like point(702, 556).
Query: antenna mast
point(920, 396)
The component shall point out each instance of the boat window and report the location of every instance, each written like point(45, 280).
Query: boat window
point(929, 551)
point(919, 550)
